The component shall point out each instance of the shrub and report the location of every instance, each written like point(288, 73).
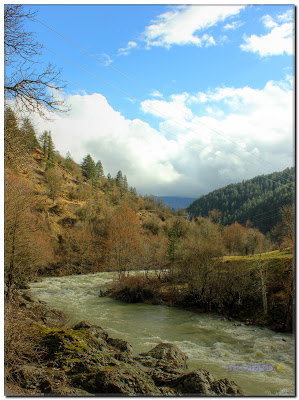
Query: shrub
point(135, 289)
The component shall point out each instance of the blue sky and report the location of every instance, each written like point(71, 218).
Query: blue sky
point(224, 79)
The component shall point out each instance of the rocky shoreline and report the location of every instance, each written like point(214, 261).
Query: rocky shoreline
point(86, 361)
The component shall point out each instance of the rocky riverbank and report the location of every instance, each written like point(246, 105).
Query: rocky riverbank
point(85, 361)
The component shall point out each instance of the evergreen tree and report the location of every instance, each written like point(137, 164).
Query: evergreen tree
point(133, 191)
point(99, 170)
point(125, 183)
point(11, 132)
point(109, 178)
point(50, 152)
point(50, 148)
point(29, 134)
point(43, 139)
point(89, 168)
point(119, 179)
point(69, 161)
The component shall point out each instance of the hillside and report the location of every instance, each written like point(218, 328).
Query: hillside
point(258, 200)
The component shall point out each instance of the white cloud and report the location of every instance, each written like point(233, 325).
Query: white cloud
point(124, 51)
point(288, 16)
point(106, 58)
point(198, 159)
point(269, 22)
point(156, 93)
point(180, 25)
point(233, 25)
point(175, 108)
point(280, 40)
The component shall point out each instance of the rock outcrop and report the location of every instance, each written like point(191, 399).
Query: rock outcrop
point(85, 361)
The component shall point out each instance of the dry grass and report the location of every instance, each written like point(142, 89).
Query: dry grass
point(22, 341)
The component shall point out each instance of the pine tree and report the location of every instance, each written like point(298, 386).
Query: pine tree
point(11, 133)
point(109, 178)
point(29, 134)
point(50, 148)
point(133, 191)
point(43, 139)
point(125, 183)
point(119, 179)
point(50, 152)
point(89, 168)
point(69, 161)
point(99, 170)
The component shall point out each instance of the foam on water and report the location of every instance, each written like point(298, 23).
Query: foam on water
point(209, 341)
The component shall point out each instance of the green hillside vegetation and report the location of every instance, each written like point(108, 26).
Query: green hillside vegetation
point(257, 200)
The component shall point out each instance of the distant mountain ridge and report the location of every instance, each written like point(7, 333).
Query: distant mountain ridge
point(176, 202)
point(258, 200)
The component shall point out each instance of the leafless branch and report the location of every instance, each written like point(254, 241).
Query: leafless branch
point(31, 89)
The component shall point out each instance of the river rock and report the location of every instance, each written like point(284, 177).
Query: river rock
point(224, 386)
point(94, 330)
point(123, 379)
point(120, 344)
point(162, 377)
point(85, 361)
point(168, 353)
point(204, 383)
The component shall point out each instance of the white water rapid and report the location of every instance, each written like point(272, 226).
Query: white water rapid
point(209, 341)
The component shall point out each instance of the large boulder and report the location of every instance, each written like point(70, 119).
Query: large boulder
point(204, 383)
point(94, 330)
point(163, 354)
point(120, 379)
point(120, 345)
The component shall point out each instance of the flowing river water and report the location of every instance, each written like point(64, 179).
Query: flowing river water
point(209, 341)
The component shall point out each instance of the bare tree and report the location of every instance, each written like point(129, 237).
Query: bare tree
point(31, 88)
point(27, 246)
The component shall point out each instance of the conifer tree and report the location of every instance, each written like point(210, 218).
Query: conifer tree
point(69, 161)
point(119, 179)
point(109, 178)
point(11, 132)
point(43, 139)
point(99, 170)
point(89, 168)
point(29, 134)
point(50, 152)
point(133, 191)
point(125, 183)
point(50, 147)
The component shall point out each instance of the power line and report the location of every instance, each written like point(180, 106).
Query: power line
point(149, 91)
point(144, 120)
point(135, 98)
point(259, 219)
point(245, 219)
point(163, 129)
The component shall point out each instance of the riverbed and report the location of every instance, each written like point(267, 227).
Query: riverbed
point(259, 360)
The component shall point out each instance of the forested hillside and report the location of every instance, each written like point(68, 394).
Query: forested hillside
point(258, 200)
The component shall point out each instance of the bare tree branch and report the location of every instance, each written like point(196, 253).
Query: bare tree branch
point(31, 89)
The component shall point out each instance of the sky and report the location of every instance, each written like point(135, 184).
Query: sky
point(181, 99)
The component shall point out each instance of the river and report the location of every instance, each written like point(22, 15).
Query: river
point(209, 341)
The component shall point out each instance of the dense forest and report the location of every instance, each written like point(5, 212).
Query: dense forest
point(256, 201)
